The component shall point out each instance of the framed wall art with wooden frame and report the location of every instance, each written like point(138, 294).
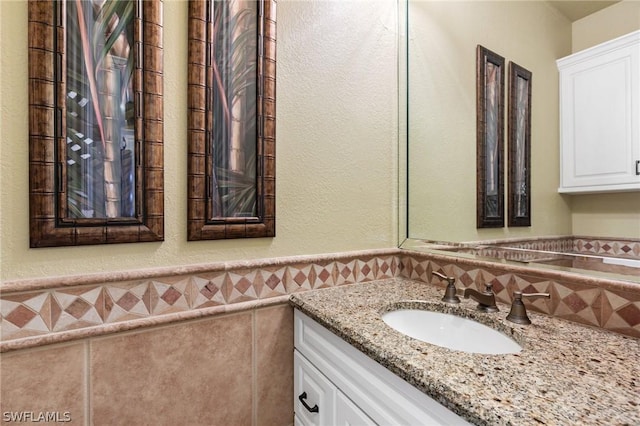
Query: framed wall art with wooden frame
point(95, 122)
point(519, 201)
point(490, 138)
point(231, 119)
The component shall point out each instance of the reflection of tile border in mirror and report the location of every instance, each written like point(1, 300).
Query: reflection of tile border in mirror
point(490, 138)
point(519, 146)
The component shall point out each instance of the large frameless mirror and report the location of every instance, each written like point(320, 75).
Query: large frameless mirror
point(438, 85)
point(231, 169)
point(95, 122)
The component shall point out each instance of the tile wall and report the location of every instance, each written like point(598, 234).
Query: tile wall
point(231, 369)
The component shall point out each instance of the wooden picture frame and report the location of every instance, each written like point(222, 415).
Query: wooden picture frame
point(519, 146)
point(490, 138)
point(51, 223)
point(204, 222)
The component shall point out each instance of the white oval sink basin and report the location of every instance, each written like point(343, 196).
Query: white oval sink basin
point(450, 331)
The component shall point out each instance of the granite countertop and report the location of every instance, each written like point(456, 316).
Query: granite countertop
point(566, 374)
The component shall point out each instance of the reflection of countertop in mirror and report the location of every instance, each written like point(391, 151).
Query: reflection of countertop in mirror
point(566, 373)
point(599, 267)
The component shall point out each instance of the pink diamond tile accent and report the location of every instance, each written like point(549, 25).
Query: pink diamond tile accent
point(20, 316)
point(300, 278)
point(296, 278)
point(171, 296)
point(320, 275)
point(78, 308)
point(242, 284)
point(207, 293)
point(344, 273)
point(384, 268)
point(75, 308)
point(621, 312)
point(577, 304)
point(270, 283)
point(466, 279)
point(630, 314)
point(324, 275)
point(273, 281)
point(234, 289)
point(419, 270)
point(128, 301)
point(365, 270)
point(209, 290)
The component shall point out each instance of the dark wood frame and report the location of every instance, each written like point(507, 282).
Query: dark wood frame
point(201, 225)
point(48, 221)
point(516, 110)
point(484, 105)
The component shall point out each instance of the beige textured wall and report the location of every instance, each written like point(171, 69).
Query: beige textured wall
point(336, 143)
point(611, 22)
point(442, 107)
point(612, 215)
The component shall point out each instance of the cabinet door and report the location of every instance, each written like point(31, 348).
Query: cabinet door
point(314, 402)
point(297, 421)
point(348, 414)
point(600, 124)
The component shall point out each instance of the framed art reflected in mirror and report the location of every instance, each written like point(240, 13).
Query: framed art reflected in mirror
point(490, 138)
point(519, 201)
point(95, 122)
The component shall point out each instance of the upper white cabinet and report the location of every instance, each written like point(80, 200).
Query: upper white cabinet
point(600, 117)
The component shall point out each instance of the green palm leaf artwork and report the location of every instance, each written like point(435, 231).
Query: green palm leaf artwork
point(99, 134)
point(234, 108)
point(491, 160)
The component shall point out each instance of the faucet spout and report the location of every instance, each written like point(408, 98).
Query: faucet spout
point(486, 299)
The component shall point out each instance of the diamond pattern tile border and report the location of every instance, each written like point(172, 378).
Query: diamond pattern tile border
point(46, 312)
point(580, 302)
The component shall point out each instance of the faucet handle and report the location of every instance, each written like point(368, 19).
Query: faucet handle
point(531, 296)
point(518, 312)
point(488, 288)
point(450, 292)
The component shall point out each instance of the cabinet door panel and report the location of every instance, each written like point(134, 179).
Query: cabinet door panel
point(600, 117)
point(315, 390)
point(348, 414)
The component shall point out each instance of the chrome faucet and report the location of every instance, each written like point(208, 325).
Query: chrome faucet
point(486, 299)
point(518, 312)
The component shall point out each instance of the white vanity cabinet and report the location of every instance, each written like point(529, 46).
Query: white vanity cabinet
point(337, 385)
point(600, 117)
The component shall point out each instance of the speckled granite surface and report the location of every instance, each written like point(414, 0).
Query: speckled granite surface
point(566, 374)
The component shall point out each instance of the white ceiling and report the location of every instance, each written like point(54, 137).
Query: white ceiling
point(577, 9)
